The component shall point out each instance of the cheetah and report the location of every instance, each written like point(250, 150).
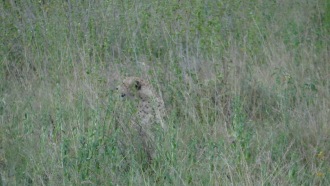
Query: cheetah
point(150, 110)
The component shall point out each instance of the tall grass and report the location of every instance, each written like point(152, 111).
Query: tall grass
point(246, 87)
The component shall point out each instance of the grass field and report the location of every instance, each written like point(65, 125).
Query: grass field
point(246, 85)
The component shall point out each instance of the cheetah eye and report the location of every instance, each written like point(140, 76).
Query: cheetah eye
point(138, 85)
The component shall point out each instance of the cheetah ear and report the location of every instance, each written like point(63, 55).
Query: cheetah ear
point(138, 85)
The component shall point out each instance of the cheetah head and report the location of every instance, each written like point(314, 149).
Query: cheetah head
point(135, 87)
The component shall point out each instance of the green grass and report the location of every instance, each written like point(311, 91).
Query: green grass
point(246, 87)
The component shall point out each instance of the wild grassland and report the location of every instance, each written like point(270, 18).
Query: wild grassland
point(246, 85)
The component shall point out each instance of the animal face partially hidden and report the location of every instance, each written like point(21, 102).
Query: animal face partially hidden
point(134, 87)
point(150, 110)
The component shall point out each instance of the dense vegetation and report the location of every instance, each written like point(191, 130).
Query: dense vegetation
point(245, 83)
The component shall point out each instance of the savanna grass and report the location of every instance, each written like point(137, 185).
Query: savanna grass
point(246, 86)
